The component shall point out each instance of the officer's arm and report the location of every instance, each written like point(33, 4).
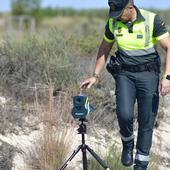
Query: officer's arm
point(161, 34)
point(102, 56)
point(165, 84)
point(165, 44)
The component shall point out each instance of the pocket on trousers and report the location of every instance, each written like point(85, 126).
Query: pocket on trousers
point(155, 103)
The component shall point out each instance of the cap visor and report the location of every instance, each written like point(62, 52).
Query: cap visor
point(115, 14)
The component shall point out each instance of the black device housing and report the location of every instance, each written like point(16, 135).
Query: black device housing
point(81, 107)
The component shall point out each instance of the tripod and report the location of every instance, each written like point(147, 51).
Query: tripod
point(83, 147)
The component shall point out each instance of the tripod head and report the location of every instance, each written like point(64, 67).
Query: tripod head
point(82, 127)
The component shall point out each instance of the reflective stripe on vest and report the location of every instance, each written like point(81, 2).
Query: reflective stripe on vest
point(140, 41)
point(137, 52)
point(147, 27)
point(142, 158)
point(127, 138)
point(111, 24)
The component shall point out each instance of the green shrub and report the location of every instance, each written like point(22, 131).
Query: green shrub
point(35, 59)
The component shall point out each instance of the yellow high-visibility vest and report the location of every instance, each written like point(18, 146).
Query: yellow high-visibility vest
point(140, 41)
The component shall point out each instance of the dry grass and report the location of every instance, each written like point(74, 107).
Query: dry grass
point(51, 147)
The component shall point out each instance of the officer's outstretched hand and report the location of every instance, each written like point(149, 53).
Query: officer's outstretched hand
point(165, 87)
point(88, 82)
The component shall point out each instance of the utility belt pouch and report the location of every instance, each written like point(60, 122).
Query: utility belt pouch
point(113, 67)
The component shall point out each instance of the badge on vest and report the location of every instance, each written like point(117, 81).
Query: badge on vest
point(119, 30)
point(139, 36)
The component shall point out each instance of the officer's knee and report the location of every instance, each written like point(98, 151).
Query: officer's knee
point(125, 115)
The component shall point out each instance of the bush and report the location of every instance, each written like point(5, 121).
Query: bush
point(35, 59)
point(51, 145)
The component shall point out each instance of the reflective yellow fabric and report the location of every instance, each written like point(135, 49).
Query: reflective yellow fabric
point(140, 39)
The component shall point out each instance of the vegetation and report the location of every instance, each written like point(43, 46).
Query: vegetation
point(98, 13)
point(21, 7)
point(113, 161)
point(51, 146)
point(25, 7)
point(33, 8)
point(32, 60)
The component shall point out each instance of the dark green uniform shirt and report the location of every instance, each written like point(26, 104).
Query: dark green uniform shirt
point(159, 30)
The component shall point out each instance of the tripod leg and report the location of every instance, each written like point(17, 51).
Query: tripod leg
point(71, 157)
point(84, 157)
point(100, 161)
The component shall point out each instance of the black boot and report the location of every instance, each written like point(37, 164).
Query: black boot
point(127, 153)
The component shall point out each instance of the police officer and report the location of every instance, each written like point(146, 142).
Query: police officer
point(135, 32)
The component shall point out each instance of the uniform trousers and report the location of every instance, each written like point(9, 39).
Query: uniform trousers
point(140, 87)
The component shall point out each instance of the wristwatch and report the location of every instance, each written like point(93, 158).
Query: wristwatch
point(96, 76)
point(166, 77)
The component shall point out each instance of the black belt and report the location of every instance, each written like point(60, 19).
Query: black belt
point(152, 66)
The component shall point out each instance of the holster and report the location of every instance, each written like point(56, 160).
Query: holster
point(113, 67)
